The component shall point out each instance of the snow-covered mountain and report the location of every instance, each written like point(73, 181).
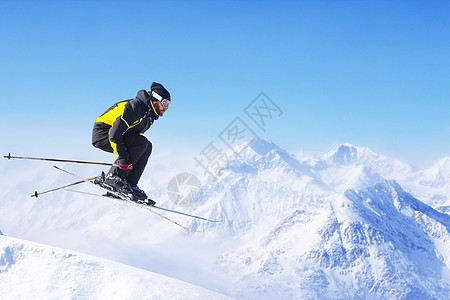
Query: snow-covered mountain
point(432, 185)
point(35, 271)
point(327, 227)
point(347, 224)
point(376, 242)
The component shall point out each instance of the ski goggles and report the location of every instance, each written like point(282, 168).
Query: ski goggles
point(164, 102)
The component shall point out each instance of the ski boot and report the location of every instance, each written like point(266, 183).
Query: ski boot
point(114, 183)
point(140, 196)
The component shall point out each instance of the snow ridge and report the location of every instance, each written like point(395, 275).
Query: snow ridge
point(30, 270)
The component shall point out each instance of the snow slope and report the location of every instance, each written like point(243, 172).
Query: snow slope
point(30, 270)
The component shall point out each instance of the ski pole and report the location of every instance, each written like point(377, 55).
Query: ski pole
point(36, 194)
point(9, 156)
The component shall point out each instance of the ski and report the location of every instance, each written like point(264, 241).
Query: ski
point(126, 199)
point(185, 214)
point(36, 193)
point(152, 206)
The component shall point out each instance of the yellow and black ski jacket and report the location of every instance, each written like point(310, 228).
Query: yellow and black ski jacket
point(134, 115)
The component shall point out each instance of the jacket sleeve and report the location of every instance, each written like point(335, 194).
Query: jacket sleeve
point(129, 118)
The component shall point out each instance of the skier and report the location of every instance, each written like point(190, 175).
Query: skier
point(119, 130)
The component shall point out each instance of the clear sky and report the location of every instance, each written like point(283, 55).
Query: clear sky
point(371, 73)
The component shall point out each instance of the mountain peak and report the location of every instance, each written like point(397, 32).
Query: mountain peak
point(438, 175)
point(265, 155)
point(443, 164)
point(345, 153)
point(262, 147)
point(348, 154)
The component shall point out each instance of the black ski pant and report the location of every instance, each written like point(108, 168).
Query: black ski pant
point(139, 149)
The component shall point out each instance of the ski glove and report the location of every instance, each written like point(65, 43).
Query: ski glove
point(123, 163)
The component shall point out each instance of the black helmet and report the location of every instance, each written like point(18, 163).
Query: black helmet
point(158, 92)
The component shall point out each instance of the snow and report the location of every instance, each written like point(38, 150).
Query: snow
point(347, 224)
point(332, 227)
point(431, 184)
point(30, 270)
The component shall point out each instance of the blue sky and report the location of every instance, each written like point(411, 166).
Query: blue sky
point(372, 73)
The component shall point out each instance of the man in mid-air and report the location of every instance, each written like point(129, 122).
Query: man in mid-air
point(120, 129)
